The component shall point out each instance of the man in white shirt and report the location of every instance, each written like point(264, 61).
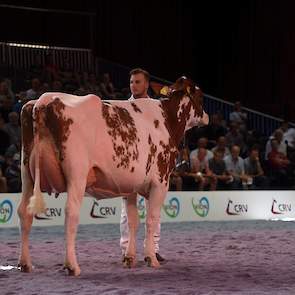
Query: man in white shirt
point(235, 166)
point(139, 84)
point(289, 134)
point(202, 143)
point(282, 145)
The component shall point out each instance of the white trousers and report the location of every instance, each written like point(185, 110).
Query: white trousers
point(125, 230)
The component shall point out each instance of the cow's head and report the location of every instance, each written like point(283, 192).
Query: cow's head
point(186, 87)
point(184, 106)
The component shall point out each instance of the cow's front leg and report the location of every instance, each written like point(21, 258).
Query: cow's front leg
point(26, 220)
point(72, 212)
point(133, 221)
point(153, 206)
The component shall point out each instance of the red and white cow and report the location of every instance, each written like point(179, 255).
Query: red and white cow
point(75, 144)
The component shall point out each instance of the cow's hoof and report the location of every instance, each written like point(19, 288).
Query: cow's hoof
point(123, 258)
point(129, 262)
point(160, 258)
point(25, 267)
point(72, 271)
point(151, 262)
point(148, 261)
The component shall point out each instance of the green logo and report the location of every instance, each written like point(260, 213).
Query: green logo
point(6, 210)
point(141, 208)
point(202, 207)
point(172, 208)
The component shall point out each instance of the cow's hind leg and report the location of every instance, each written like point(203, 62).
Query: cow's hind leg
point(153, 206)
point(26, 220)
point(132, 213)
point(72, 211)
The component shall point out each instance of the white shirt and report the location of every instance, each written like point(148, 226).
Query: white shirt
point(289, 135)
point(194, 154)
point(133, 98)
point(281, 148)
point(236, 167)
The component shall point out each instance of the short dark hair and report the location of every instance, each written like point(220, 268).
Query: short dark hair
point(255, 147)
point(217, 151)
point(140, 71)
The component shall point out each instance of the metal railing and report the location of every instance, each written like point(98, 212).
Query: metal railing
point(264, 123)
point(23, 56)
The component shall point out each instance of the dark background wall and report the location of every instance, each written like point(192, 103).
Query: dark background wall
point(236, 50)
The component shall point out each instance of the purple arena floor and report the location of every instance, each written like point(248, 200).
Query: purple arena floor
point(250, 257)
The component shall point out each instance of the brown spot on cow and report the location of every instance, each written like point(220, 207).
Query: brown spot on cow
point(151, 155)
point(58, 125)
point(27, 131)
point(50, 120)
point(123, 131)
point(175, 117)
point(156, 123)
point(187, 87)
point(183, 96)
point(136, 108)
point(166, 160)
point(39, 114)
point(176, 113)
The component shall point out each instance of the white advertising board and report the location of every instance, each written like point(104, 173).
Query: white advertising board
point(178, 207)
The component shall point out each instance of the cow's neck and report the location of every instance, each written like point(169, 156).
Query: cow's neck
point(176, 113)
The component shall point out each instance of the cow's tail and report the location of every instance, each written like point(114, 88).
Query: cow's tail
point(37, 204)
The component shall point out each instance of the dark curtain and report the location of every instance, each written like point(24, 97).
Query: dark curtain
point(248, 54)
point(155, 35)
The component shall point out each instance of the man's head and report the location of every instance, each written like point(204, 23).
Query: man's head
point(237, 106)
point(285, 126)
point(234, 127)
point(4, 87)
point(254, 153)
point(139, 82)
point(202, 142)
point(215, 120)
point(278, 135)
point(235, 151)
point(218, 155)
point(36, 84)
point(221, 142)
point(13, 118)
